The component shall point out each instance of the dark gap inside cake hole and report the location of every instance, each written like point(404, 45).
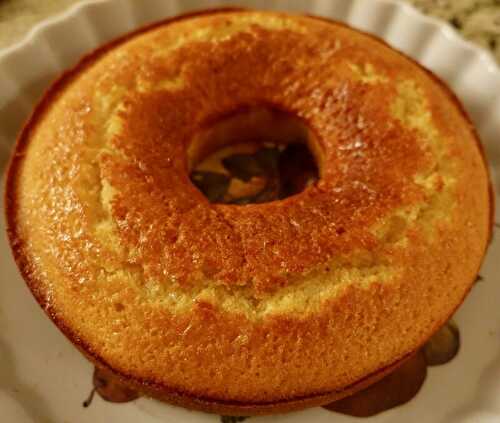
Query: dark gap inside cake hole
point(254, 155)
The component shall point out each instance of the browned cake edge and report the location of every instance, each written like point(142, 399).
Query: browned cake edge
point(161, 391)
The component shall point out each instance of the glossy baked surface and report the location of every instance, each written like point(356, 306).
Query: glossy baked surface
point(262, 303)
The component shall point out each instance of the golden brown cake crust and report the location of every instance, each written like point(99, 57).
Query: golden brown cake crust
point(278, 306)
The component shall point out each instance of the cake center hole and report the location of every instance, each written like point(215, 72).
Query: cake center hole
point(255, 155)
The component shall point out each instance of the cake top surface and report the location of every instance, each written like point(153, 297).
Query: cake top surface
point(105, 180)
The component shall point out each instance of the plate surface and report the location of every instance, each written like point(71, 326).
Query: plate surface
point(43, 379)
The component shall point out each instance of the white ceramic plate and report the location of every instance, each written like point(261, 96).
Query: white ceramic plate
point(43, 379)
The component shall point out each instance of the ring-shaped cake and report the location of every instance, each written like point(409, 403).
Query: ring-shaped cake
point(263, 307)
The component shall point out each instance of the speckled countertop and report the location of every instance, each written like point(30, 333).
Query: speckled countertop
point(478, 20)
